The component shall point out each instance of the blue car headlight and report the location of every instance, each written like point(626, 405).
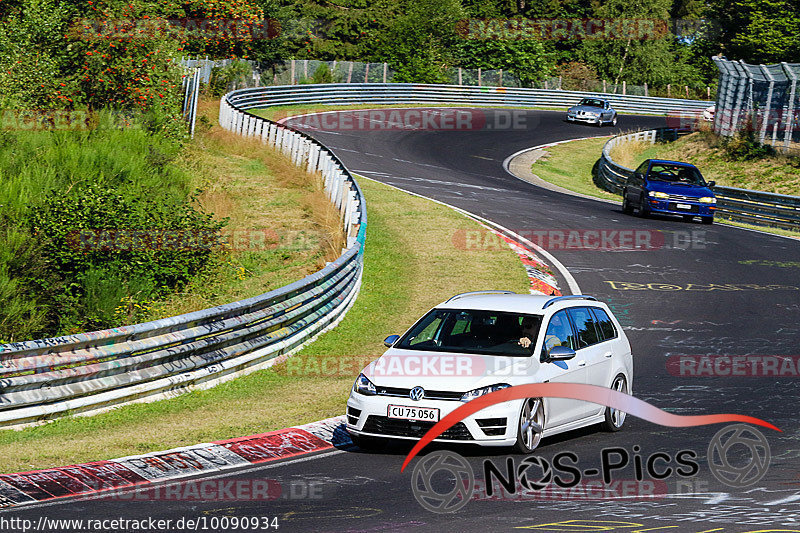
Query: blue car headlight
point(707, 200)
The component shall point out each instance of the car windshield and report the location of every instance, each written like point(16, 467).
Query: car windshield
point(675, 174)
point(591, 102)
point(473, 331)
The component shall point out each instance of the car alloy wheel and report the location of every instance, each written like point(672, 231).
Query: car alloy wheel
point(531, 425)
point(614, 417)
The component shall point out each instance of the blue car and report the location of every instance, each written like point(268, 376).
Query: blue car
point(669, 188)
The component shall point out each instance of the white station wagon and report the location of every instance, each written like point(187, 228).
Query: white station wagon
point(479, 342)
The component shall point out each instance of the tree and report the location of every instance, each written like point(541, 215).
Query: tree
point(419, 44)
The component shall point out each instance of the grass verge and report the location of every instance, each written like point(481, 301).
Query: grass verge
point(281, 225)
point(411, 264)
point(570, 165)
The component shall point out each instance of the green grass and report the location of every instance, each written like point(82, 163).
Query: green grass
point(411, 264)
point(570, 166)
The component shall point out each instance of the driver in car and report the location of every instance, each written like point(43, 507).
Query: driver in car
point(528, 331)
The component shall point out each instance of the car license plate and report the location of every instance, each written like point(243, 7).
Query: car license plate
point(404, 412)
point(683, 206)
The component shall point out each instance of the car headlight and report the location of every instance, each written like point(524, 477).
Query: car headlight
point(364, 386)
point(708, 200)
point(658, 194)
point(471, 395)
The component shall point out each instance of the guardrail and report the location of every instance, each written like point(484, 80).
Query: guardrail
point(90, 372)
point(409, 93)
point(743, 205)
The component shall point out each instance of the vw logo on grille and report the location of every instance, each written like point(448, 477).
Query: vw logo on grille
point(417, 393)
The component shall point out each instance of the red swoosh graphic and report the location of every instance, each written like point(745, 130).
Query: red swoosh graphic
point(590, 393)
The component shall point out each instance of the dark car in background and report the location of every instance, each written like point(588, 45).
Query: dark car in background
point(670, 188)
point(592, 111)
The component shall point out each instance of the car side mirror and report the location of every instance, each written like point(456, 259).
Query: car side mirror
point(712, 183)
point(560, 353)
point(390, 340)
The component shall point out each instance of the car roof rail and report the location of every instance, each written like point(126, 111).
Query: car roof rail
point(463, 294)
point(557, 299)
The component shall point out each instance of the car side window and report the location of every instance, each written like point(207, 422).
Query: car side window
point(559, 332)
point(642, 169)
point(604, 324)
point(584, 322)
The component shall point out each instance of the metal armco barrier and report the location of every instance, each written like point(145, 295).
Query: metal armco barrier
point(743, 205)
point(408, 93)
point(91, 372)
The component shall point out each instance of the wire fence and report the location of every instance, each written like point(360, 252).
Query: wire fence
point(302, 71)
point(763, 98)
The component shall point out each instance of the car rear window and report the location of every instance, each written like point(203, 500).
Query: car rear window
point(604, 324)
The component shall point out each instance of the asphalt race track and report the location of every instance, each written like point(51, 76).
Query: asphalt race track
point(743, 298)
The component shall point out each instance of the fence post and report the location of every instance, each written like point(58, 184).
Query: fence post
point(292, 73)
point(624, 88)
point(305, 69)
point(765, 116)
point(604, 85)
point(559, 83)
point(708, 93)
point(385, 69)
point(787, 136)
point(669, 88)
point(687, 90)
point(645, 89)
point(350, 72)
point(479, 77)
point(366, 73)
point(459, 75)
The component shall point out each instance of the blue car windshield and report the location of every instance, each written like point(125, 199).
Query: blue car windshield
point(473, 331)
point(676, 174)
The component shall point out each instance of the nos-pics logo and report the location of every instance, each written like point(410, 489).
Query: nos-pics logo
point(444, 482)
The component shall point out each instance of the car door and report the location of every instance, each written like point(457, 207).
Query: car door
point(559, 332)
point(599, 349)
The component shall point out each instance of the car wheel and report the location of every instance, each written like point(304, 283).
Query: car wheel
point(688, 218)
point(530, 425)
point(614, 121)
point(614, 417)
point(599, 122)
point(644, 210)
point(627, 208)
point(708, 220)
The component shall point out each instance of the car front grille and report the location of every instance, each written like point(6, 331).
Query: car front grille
point(429, 394)
point(383, 425)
